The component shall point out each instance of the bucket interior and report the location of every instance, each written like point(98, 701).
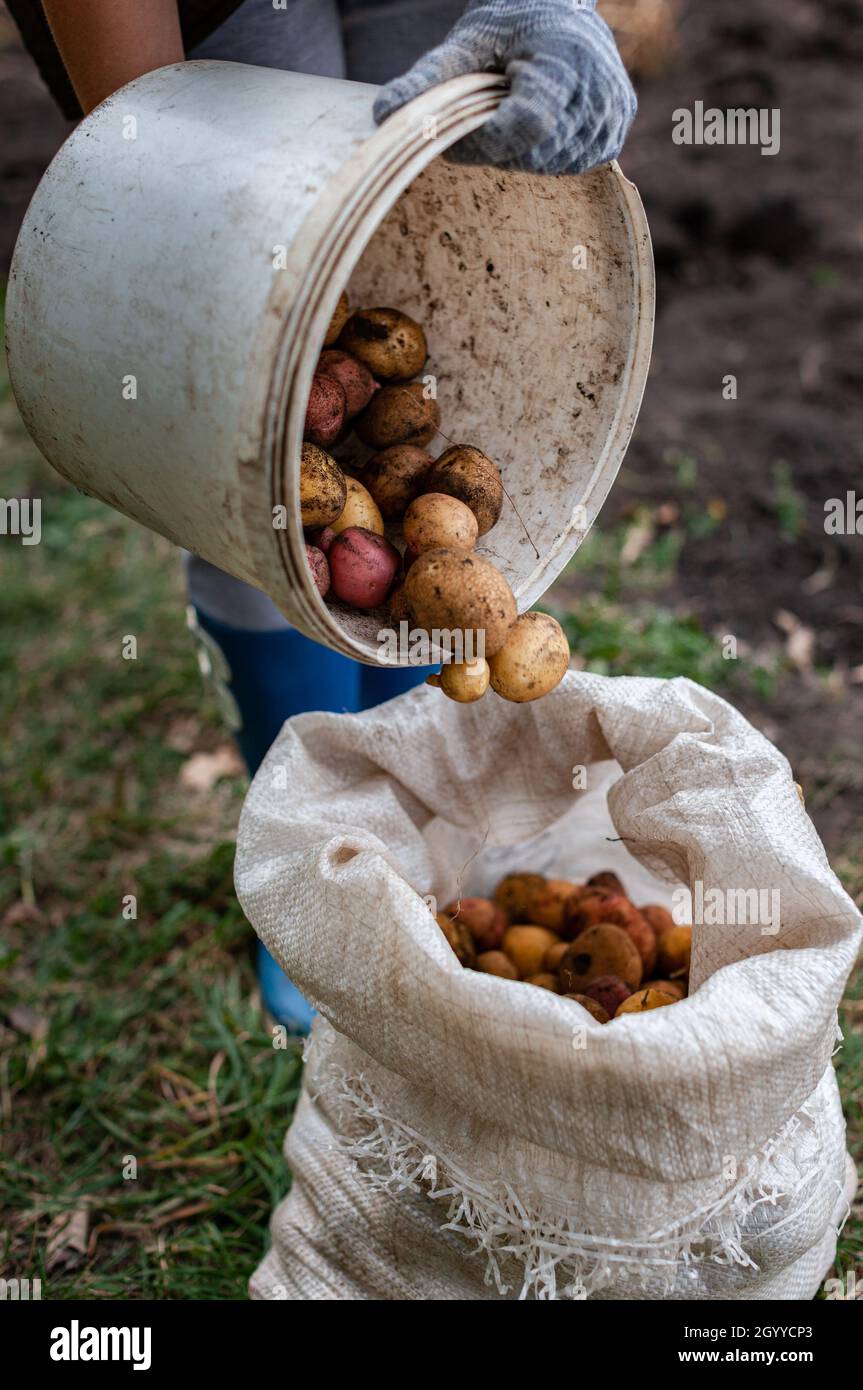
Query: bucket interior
point(525, 288)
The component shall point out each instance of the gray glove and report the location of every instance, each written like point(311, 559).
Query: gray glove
point(571, 102)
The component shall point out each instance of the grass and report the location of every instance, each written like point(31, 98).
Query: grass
point(142, 1100)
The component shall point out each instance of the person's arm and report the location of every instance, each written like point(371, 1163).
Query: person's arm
point(105, 44)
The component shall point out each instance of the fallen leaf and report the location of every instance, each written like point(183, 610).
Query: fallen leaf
point(67, 1237)
point(26, 1020)
point(202, 771)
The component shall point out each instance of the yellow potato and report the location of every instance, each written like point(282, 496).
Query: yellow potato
point(323, 487)
point(459, 592)
point(643, 1000)
point(533, 659)
point(464, 681)
point(390, 343)
point(435, 520)
point(360, 509)
point(338, 320)
point(526, 947)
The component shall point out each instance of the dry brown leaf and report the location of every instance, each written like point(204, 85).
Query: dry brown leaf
point(67, 1237)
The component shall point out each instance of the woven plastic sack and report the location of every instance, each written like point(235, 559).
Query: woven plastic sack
point(464, 1137)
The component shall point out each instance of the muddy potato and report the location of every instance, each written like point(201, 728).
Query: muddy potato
point(395, 476)
point(459, 939)
point(390, 343)
point(554, 955)
point(546, 905)
point(399, 611)
point(657, 917)
point(359, 510)
point(340, 317)
point(511, 894)
point(609, 991)
point(595, 1010)
point(317, 562)
point(674, 950)
point(543, 980)
point(323, 488)
point(526, 947)
point(643, 1000)
point(398, 415)
point(533, 659)
point(496, 963)
point(354, 378)
point(676, 988)
point(483, 919)
point(436, 521)
point(457, 591)
point(607, 879)
point(600, 950)
point(322, 538)
point(470, 476)
point(325, 411)
point(464, 681)
point(363, 566)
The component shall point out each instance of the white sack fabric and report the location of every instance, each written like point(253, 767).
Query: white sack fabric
point(461, 1136)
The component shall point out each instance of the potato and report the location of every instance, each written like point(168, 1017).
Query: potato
point(526, 947)
point(543, 980)
point(323, 489)
point(464, 681)
point(323, 538)
point(325, 411)
point(674, 950)
point(594, 905)
point(609, 991)
point(340, 317)
point(355, 379)
point(657, 917)
point(512, 893)
point(607, 879)
point(496, 963)
point(459, 939)
point(394, 477)
point(600, 950)
point(391, 344)
point(398, 415)
point(546, 905)
point(533, 659)
point(359, 510)
point(643, 938)
point(362, 567)
point(594, 1009)
point(676, 988)
point(643, 1000)
point(450, 590)
point(399, 611)
point(554, 955)
point(319, 568)
point(435, 521)
point(469, 475)
point(483, 919)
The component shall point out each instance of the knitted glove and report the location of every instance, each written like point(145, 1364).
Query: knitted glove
point(570, 102)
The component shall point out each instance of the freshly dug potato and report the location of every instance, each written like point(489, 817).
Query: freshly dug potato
point(657, 917)
point(464, 681)
point(452, 590)
point(608, 880)
point(597, 905)
point(596, 1010)
point(554, 955)
point(600, 950)
point(323, 538)
point(469, 475)
point(675, 949)
point(676, 988)
point(436, 521)
point(642, 1000)
point(643, 938)
point(609, 991)
point(526, 947)
point(323, 488)
point(319, 568)
point(339, 319)
point(533, 659)
point(325, 412)
point(363, 566)
point(391, 344)
point(459, 939)
point(359, 510)
point(546, 905)
point(354, 378)
point(543, 980)
point(496, 963)
point(399, 611)
point(395, 476)
point(398, 415)
point(511, 894)
point(483, 919)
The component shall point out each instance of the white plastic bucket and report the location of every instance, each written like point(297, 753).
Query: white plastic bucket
point(162, 346)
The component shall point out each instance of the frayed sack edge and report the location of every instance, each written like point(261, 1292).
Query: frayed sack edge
point(556, 1262)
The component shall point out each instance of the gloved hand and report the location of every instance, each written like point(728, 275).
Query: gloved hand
point(571, 102)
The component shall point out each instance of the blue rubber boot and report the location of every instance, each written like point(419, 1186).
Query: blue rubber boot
point(262, 679)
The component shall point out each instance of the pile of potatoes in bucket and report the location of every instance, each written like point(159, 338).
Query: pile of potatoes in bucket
point(363, 383)
point(586, 942)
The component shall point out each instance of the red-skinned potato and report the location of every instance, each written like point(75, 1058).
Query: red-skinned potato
point(325, 412)
point(657, 917)
point(483, 919)
point(609, 991)
point(319, 568)
point(354, 378)
point(323, 538)
point(363, 566)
